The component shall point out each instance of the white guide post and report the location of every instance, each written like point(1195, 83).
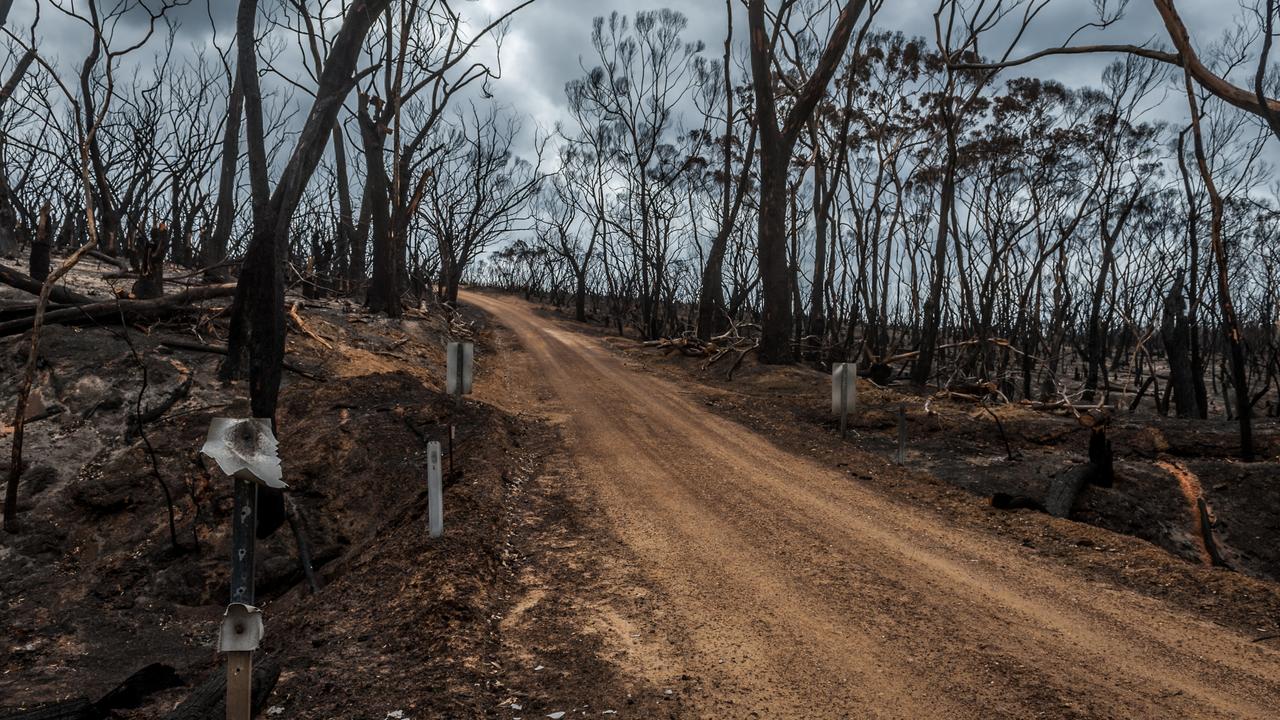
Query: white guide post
point(435, 491)
point(844, 393)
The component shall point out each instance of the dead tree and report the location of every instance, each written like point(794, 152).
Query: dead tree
point(150, 261)
point(777, 142)
point(1176, 334)
point(257, 321)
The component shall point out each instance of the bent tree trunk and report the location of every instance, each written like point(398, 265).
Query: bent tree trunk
point(776, 144)
point(257, 320)
point(1230, 322)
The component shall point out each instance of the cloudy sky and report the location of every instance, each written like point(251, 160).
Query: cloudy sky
point(547, 41)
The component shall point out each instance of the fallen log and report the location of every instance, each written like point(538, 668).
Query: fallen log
point(114, 310)
point(110, 260)
point(62, 296)
point(1006, 501)
point(1065, 487)
point(131, 693)
point(209, 700)
point(1099, 471)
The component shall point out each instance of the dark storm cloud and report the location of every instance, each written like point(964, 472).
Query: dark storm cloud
point(550, 40)
point(548, 43)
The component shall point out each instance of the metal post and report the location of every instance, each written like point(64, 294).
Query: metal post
point(244, 522)
point(457, 385)
point(844, 393)
point(902, 434)
point(451, 430)
point(844, 401)
point(435, 491)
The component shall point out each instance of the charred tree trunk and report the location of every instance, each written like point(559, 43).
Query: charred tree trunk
point(580, 294)
point(817, 292)
point(384, 283)
point(771, 254)
point(923, 367)
point(215, 247)
point(258, 319)
point(40, 247)
point(151, 252)
point(9, 242)
point(776, 144)
point(1230, 322)
point(1176, 334)
point(711, 310)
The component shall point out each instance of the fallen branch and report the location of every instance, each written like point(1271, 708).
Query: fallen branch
point(26, 283)
point(741, 354)
point(222, 350)
point(116, 261)
point(297, 319)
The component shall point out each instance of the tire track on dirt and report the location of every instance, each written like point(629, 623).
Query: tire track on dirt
point(790, 590)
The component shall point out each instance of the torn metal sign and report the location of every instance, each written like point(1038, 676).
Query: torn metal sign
point(246, 449)
point(241, 629)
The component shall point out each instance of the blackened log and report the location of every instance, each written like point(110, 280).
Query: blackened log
point(113, 310)
point(1065, 487)
point(62, 296)
point(209, 700)
point(1005, 501)
point(138, 687)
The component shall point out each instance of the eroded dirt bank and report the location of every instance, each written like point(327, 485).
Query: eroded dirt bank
point(93, 589)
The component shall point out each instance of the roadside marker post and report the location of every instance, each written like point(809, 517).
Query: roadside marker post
point(901, 457)
point(458, 370)
point(844, 393)
point(435, 491)
point(245, 449)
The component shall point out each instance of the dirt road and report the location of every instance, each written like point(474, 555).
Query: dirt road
point(773, 586)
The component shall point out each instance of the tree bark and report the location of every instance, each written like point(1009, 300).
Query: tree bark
point(384, 284)
point(1176, 334)
point(776, 145)
point(214, 249)
point(258, 320)
point(1230, 322)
